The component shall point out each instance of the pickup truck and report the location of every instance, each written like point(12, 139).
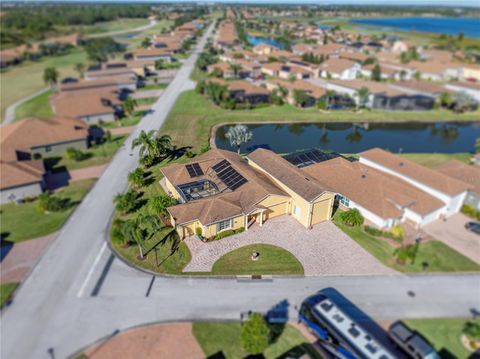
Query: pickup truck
point(411, 343)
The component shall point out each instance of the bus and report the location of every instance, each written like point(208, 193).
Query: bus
point(339, 334)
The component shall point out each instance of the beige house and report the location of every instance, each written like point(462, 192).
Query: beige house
point(222, 191)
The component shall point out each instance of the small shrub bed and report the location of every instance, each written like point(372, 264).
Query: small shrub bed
point(471, 212)
point(396, 233)
point(226, 233)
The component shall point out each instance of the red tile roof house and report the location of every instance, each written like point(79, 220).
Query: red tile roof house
point(314, 92)
point(288, 72)
point(112, 83)
point(152, 54)
point(92, 107)
point(115, 72)
point(23, 143)
point(339, 69)
point(450, 191)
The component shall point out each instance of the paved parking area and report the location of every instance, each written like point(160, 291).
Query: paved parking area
point(325, 249)
point(452, 232)
point(174, 340)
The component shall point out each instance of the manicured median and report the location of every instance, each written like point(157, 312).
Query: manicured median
point(272, 260)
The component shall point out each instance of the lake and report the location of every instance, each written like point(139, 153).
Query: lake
point(255, 40)
point(441, 25)
point(410, 137)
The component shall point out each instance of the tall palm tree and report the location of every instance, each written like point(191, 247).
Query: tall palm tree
point(237, 135)
point(164, 144)
point(363, 95)
point(129, 105)
point(50, 76)
point(137, 178)
point(148, 145)
point(330, 94)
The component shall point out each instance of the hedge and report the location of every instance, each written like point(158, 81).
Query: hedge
point(226, 233)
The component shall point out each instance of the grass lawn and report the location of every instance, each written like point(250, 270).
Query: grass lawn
point(22, 221)
point(191, 119)
point(112, 26)
point(126, 121)
point(95, 155)
point(440, 257)
point(25, 79)
point(157, 86)
point(272, 260)
point(136, 41)
point(39, 107)
point(225, 338)
point(6, 290)
point(443, 334)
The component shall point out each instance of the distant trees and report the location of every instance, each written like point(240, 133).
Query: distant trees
point(206, 58)
point(50, 76)
point(312, 58)
point(237, 135)
point(101, 49)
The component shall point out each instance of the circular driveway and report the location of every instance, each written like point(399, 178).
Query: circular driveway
point(322, 250)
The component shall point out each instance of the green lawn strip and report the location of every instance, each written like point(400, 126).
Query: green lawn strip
point(440, 257)
point(146, 100)
point(191, 119)
point(111, 26)
point(22, 221)
point(6, 290)
point(126, 121)
point(96, 155)
point(442, 334)
point(157, 86)
point(39, 107)
point(225, 338)
point(436, 159)
point(22, 80)
point(272, 260)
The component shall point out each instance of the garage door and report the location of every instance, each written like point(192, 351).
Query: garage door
point(276, 210)
point(321, 211)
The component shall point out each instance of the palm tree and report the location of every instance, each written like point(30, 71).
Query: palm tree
point(235, 68)
point(50, 76)
point(137, 178)
point(330, 94)
point(148, 146)
point(158, 205)
point(164, 144)
point(129, 106)
point(80, 68)
point(363, 95)
point(237, 135)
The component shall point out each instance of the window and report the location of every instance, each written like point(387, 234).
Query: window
point(344, 200)
point(297, 211)
point(224, 225)
point(48, 148)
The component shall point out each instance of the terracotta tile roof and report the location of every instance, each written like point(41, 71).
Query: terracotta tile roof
point(378, 192)
point(73, 104)
point(121, 71)
point(336, 65)
point(461, 171)
point(227, 33)
point(416, 172)
point(13, 174)
point(246, 86)
point(422, 86)
point(466, 84)
point(283, 171)
point(32, 132)
point(263, 46)
point(226, 204)
point(151, 52)
point(310, 88)
point(273, 66)
point(358, 56)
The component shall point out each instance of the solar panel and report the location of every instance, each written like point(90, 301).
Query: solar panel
point(228, 175)
point(220, 166)
point(194, 170)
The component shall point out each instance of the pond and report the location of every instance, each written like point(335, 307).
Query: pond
point(255, 40)
point(346, 137)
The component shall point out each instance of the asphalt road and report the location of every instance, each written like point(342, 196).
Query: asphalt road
point(79, 292)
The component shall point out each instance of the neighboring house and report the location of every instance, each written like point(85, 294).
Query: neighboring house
point(421, 87)
point(386, 72)
point(221, 191)
point(466, 173)
point(315, 93)
point(113, 83)
point(141, 68)
point(469, 72)
point(339, 69)
point(245, 92)
point(288, 72)
point(224, 68)
point(272, 68)
point(383, 199)
point(151, 54)
point(264, 49)
point(24, 143)
point(111, 72)
point(227, 36)
point(400, 46)
point(471, 88)
point(436, 71)
point(353, 56)
point(103, 106)
point(450, 191)
point(300, 49)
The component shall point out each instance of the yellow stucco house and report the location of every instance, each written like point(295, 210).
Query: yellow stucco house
point(222, 190)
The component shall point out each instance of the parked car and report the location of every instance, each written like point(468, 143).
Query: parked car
point(411, 343)
point(473, 227)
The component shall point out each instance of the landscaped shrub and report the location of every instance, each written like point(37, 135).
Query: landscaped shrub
point(49, 203)
point(198, 231)
point(189, 154)
point(373, 231)
point(472, 331)
point(226, 233)
point(397, 232)
point(255, 334)
point(126, 202)
point(352, 217)
point(75, 154)
point(471, 212)
point(406, 253)
point(158, 205)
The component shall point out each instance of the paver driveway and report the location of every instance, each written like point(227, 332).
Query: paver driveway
point(325, 249)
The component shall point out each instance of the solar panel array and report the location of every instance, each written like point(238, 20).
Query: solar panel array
point(194, 170)
point(229, 175)
point(307, 158)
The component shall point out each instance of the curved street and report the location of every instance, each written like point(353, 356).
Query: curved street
point(79, 292)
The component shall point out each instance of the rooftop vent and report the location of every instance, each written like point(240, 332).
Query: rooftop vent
point(401, 164)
